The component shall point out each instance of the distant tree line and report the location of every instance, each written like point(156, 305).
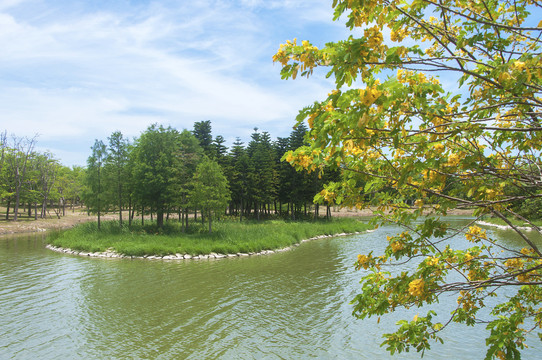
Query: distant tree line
point(161, 174)
point(35, 183)
point(166, 173)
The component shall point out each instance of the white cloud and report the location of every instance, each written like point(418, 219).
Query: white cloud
point(73, 74)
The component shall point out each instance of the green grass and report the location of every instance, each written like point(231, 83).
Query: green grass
point(227, 237)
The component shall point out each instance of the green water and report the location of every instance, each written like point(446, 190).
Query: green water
point(292, 305)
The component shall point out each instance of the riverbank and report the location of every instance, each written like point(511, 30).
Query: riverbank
point(80, 216)
point(230, 238)
point(28, 225)
point(110, 253)
point(497, 223)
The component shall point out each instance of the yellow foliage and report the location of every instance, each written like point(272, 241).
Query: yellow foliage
point(397, 246)
point(417, 288)
point(475, 233)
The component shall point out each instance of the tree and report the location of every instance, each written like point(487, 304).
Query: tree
point(154, 169)
point(202, 132)
point(239, 165)
point(391, 124)
point(186, 159)
point(95, 198)
point(47, 168)
point(75, 185)
point(117, 160)
point(19, 155)
point(263, 177)
point(219, 150)
point(210, 191)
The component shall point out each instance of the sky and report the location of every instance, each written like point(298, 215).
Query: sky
point(75, 71)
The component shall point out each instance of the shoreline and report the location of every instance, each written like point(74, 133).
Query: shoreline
point(212, 256)
point(504, 227)
point(29, 226)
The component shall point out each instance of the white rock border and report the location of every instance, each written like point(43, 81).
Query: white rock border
point(109, 253)
point(504, 227)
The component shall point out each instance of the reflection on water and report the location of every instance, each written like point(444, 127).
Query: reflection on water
point(283, 306)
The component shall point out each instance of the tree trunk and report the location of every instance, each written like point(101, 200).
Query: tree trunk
point(130, 212)
point(44, 207)
point(120, 204)
point(160, 218)
point(181, 218)
point(16, 208)
point(7, 209)
point(210, 222)
point(99, 218)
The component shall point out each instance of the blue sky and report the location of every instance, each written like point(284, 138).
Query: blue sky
point(73, 71)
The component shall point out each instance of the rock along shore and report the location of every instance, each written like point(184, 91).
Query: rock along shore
point(504, 227)
point(110, 253)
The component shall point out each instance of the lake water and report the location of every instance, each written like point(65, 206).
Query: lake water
point(292, 305)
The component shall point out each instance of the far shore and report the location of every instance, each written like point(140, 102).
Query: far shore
point(72, 218)
point(504, 227)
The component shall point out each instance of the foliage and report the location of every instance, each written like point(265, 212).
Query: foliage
point(229, 236)
point(95, 198)
point(470, 138)
point(210, 190)
point(154, 168)
point(117, 166)
point(202, 132)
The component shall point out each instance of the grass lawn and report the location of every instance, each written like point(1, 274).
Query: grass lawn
point(228, 237)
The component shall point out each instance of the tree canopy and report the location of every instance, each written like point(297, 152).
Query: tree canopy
point(210, 190)
point(436, 104)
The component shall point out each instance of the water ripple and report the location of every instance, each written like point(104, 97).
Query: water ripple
point(284, 306)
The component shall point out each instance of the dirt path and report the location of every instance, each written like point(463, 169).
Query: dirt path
point(26, 225)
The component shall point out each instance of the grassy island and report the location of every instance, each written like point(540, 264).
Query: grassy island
point(229, 237)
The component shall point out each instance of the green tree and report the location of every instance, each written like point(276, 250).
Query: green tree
point(239, 164)
point(203, 132)
point(95, 196)
point(154, 169)
point(393, 126)
point(47, 168)
point(263, 175)
point(210, 191)
point(19, 156)
point(219, 150)
point(187, 157)
point(117, 161)
point(75, 185)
